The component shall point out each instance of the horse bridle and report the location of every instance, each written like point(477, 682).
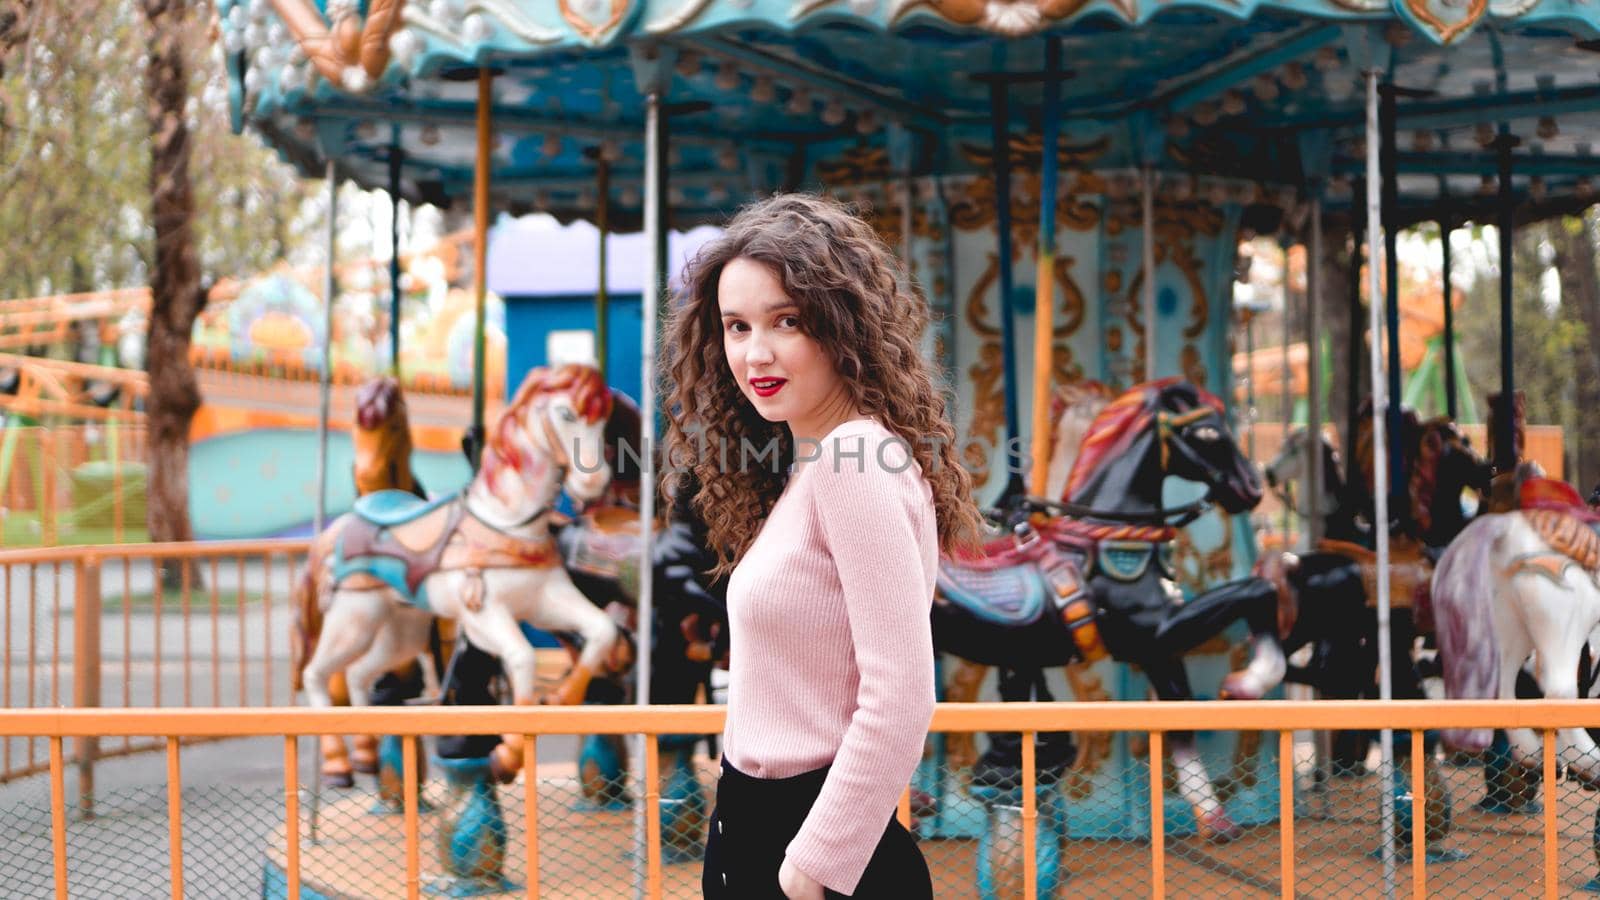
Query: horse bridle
point(1170, 429)
point(559, 459)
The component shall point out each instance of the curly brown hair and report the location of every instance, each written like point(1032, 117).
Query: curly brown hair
point(855, 300)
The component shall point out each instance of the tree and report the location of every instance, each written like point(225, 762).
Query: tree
point(176, 294)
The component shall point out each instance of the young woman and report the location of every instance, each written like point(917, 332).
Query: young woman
point(827, 476)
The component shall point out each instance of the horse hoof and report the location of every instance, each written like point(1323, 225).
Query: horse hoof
point(500, 769)
point(338, 780)
point(1239, 686)
point(1218, 828)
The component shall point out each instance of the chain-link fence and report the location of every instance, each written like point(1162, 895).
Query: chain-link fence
point(1243, 814)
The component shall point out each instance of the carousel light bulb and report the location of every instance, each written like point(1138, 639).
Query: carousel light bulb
point(1293, 76)
point(405, 45)
point(727, 159)
point(676, 196)
point(1177, 127)
point(291, 78)
point(1339, 185)
point(1264, 87)
point(1486, 187)
point(1205, 114)
point(799, 103)
point(1398, 34)
point(1422, 141)
point(610, 150)
point(727, 76)
point(429, 135)
point(366, 130)
point(763, 91)
point(717, 194)
point(1233, 103)
point(688, 64)
point(1484, 132)
point(1548, 128)
point(551, 148)
point(1326, 60)
point(833, 112)
point(630, 196)
point(1584, 188)
point(866, 122)
point(1218, 194)
point(476, 28)
point(675, 157)
point(1536, 189)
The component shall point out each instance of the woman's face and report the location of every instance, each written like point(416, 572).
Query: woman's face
point(785, 373)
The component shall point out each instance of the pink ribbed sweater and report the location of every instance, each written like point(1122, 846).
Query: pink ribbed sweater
point(831, 651)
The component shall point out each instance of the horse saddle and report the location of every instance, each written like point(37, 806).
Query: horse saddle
point(396, 539)
point(390, 508)
point(1008, 582)
point(604, 543)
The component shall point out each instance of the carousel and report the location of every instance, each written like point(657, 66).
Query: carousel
point(1068, 183)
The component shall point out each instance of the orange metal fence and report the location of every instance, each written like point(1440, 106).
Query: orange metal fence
point(1156, 720)
point(140, 625)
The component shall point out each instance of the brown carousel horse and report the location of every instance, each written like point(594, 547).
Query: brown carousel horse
point(485, 557)
point(382, 447)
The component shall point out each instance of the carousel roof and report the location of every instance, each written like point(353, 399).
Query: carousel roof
point(1242, 101)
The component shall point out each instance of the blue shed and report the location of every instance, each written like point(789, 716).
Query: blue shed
point(546, 273)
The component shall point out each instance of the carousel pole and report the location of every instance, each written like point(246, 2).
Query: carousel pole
point(480, 262)
point(1148, 185)
point(1380, 472)
point(1286, 371)
point(1388, 157)
point(653, 295)
point(1044, 291)
point(1445, 227)
point(1359, 226)
point(1001, 114)
point(1505, 450)
point(1313, 330)
point(395, 160)
point(325, 390)
point(602, 309)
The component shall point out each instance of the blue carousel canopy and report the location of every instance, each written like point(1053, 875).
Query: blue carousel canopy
point(1244, 102)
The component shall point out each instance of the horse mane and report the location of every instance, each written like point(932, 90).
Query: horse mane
point(1124, 419)
point(590, 395)
point(1424, 469)
point(1083, 399)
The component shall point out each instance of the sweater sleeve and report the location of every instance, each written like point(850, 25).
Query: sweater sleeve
point(876, 525)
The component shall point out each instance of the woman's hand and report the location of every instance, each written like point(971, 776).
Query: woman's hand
point(796, 884)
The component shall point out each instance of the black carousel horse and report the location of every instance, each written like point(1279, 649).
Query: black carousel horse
point(689, 633)
point(1090, 576)
point(1328, 599)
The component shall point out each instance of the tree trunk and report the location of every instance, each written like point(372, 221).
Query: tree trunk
point(1335, 320)
point(1580, 302)
point(176, 296)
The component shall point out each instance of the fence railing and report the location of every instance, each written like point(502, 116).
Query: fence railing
point(1156, 722)
point(140, 625)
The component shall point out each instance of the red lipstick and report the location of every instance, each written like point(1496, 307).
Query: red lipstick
point(766, 387)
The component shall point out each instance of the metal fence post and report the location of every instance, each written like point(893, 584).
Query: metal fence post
point(86, 670)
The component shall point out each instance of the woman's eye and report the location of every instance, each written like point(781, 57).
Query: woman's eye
point(738, 327)
point(789, 322)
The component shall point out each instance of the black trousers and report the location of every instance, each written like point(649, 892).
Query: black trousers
point(756, 818)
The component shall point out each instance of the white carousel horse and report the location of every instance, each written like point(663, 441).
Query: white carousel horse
point(485, 558)
point(1514, 584)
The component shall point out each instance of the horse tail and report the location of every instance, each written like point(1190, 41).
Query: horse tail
point(307, 608)
point(1464, 592)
